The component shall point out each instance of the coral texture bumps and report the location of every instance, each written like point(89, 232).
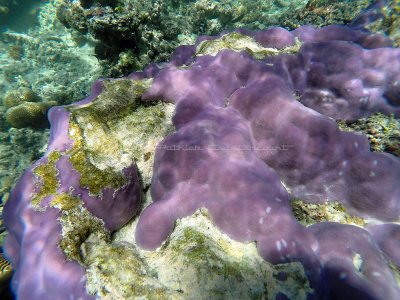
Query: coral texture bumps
point(254, 130)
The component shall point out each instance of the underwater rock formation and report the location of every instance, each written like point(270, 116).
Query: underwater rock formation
point(243, 148)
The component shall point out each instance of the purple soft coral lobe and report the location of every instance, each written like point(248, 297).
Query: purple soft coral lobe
point(42, 270)
point(32, 244)
point(251, 135)
point(238, 126)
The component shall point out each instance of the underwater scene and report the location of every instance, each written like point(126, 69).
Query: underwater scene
point(198, 149)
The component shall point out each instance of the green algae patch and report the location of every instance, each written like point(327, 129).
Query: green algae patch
point(91, 127)
point(65, 202)
point(117, 271)
point(77, 225)
point(46, 179)
point(76, 221)
point(238, 42)
point(215, 267)
point(115, 130)
point(310, 213)
point(195, 247)
point(91, 177)
point(203, 263)
point(118, 97)
point(197, 261)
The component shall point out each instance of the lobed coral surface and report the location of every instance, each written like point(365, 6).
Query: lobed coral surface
point(253, 132)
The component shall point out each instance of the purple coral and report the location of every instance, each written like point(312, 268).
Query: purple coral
point(240, 134)
point(387, 236)
point(353, 265)
point(34, 233)
point(42, 271)
point(234, 114)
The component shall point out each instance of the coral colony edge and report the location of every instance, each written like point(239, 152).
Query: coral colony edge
point(242, 124)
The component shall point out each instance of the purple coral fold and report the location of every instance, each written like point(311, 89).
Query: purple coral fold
point(32, 244)
point(251, 135)
point(239, 126)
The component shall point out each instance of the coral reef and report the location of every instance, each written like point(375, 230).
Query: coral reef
point(389, 21)
point(42, 64)
point(60, 64)
point(324, 12)
point(28, 114)
point(18, 149)
point(383, 132)
point(110, 188)
point(23, 108)
point(32, 58)
point(23, 94)
point(216, 152)
point(146, 31)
